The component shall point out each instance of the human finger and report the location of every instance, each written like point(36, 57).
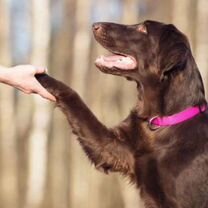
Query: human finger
point(40, 69)
point(39, 89)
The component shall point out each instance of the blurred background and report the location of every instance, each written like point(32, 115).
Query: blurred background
point(41, 163)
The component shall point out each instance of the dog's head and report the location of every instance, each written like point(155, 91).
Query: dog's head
point(148, 47)
point(153, 54)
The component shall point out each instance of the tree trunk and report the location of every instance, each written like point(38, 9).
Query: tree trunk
point(38, 138)
point(59, 162)
point(8, 175)
point(130, 12)
point(61, 54)
point(180, 16)
point(202, 40)
point(79, 188)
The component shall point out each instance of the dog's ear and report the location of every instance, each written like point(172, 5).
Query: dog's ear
point(174, 50)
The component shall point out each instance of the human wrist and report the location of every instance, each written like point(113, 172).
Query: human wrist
point(4, 74)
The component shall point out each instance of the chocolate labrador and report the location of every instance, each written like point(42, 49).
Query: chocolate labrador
point(162, 146)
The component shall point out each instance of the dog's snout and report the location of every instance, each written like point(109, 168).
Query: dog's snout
point(96, 27)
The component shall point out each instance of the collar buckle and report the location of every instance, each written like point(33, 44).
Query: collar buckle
point(152, 126)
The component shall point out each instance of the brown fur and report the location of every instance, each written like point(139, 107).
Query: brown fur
point(169, 165)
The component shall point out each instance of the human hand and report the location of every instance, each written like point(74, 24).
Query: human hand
point(22, 77)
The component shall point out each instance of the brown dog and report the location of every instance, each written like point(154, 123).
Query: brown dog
point(168, 163)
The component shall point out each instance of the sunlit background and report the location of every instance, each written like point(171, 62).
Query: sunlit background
point(41, 163)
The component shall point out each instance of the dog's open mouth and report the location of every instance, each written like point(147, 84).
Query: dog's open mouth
point(116, 61)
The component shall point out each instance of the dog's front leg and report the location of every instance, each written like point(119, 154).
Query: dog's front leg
point(106, 148)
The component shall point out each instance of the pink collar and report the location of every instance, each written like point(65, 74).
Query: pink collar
point(157, 122)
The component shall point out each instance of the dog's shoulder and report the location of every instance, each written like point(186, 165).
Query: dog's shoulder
point(178, 147)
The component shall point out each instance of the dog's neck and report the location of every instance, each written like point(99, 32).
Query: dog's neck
point(183, 89)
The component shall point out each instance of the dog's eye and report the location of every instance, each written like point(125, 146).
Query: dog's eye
point(142, 28)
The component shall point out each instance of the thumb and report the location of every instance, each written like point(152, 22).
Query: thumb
point(39, 89)
point(40, 69)
point(45, 94)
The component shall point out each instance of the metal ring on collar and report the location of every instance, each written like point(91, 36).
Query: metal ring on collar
point(151, 125)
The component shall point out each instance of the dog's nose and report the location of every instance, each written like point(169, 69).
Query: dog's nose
point(96, 27)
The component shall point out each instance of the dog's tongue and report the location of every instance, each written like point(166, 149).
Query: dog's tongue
point(118, 61)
